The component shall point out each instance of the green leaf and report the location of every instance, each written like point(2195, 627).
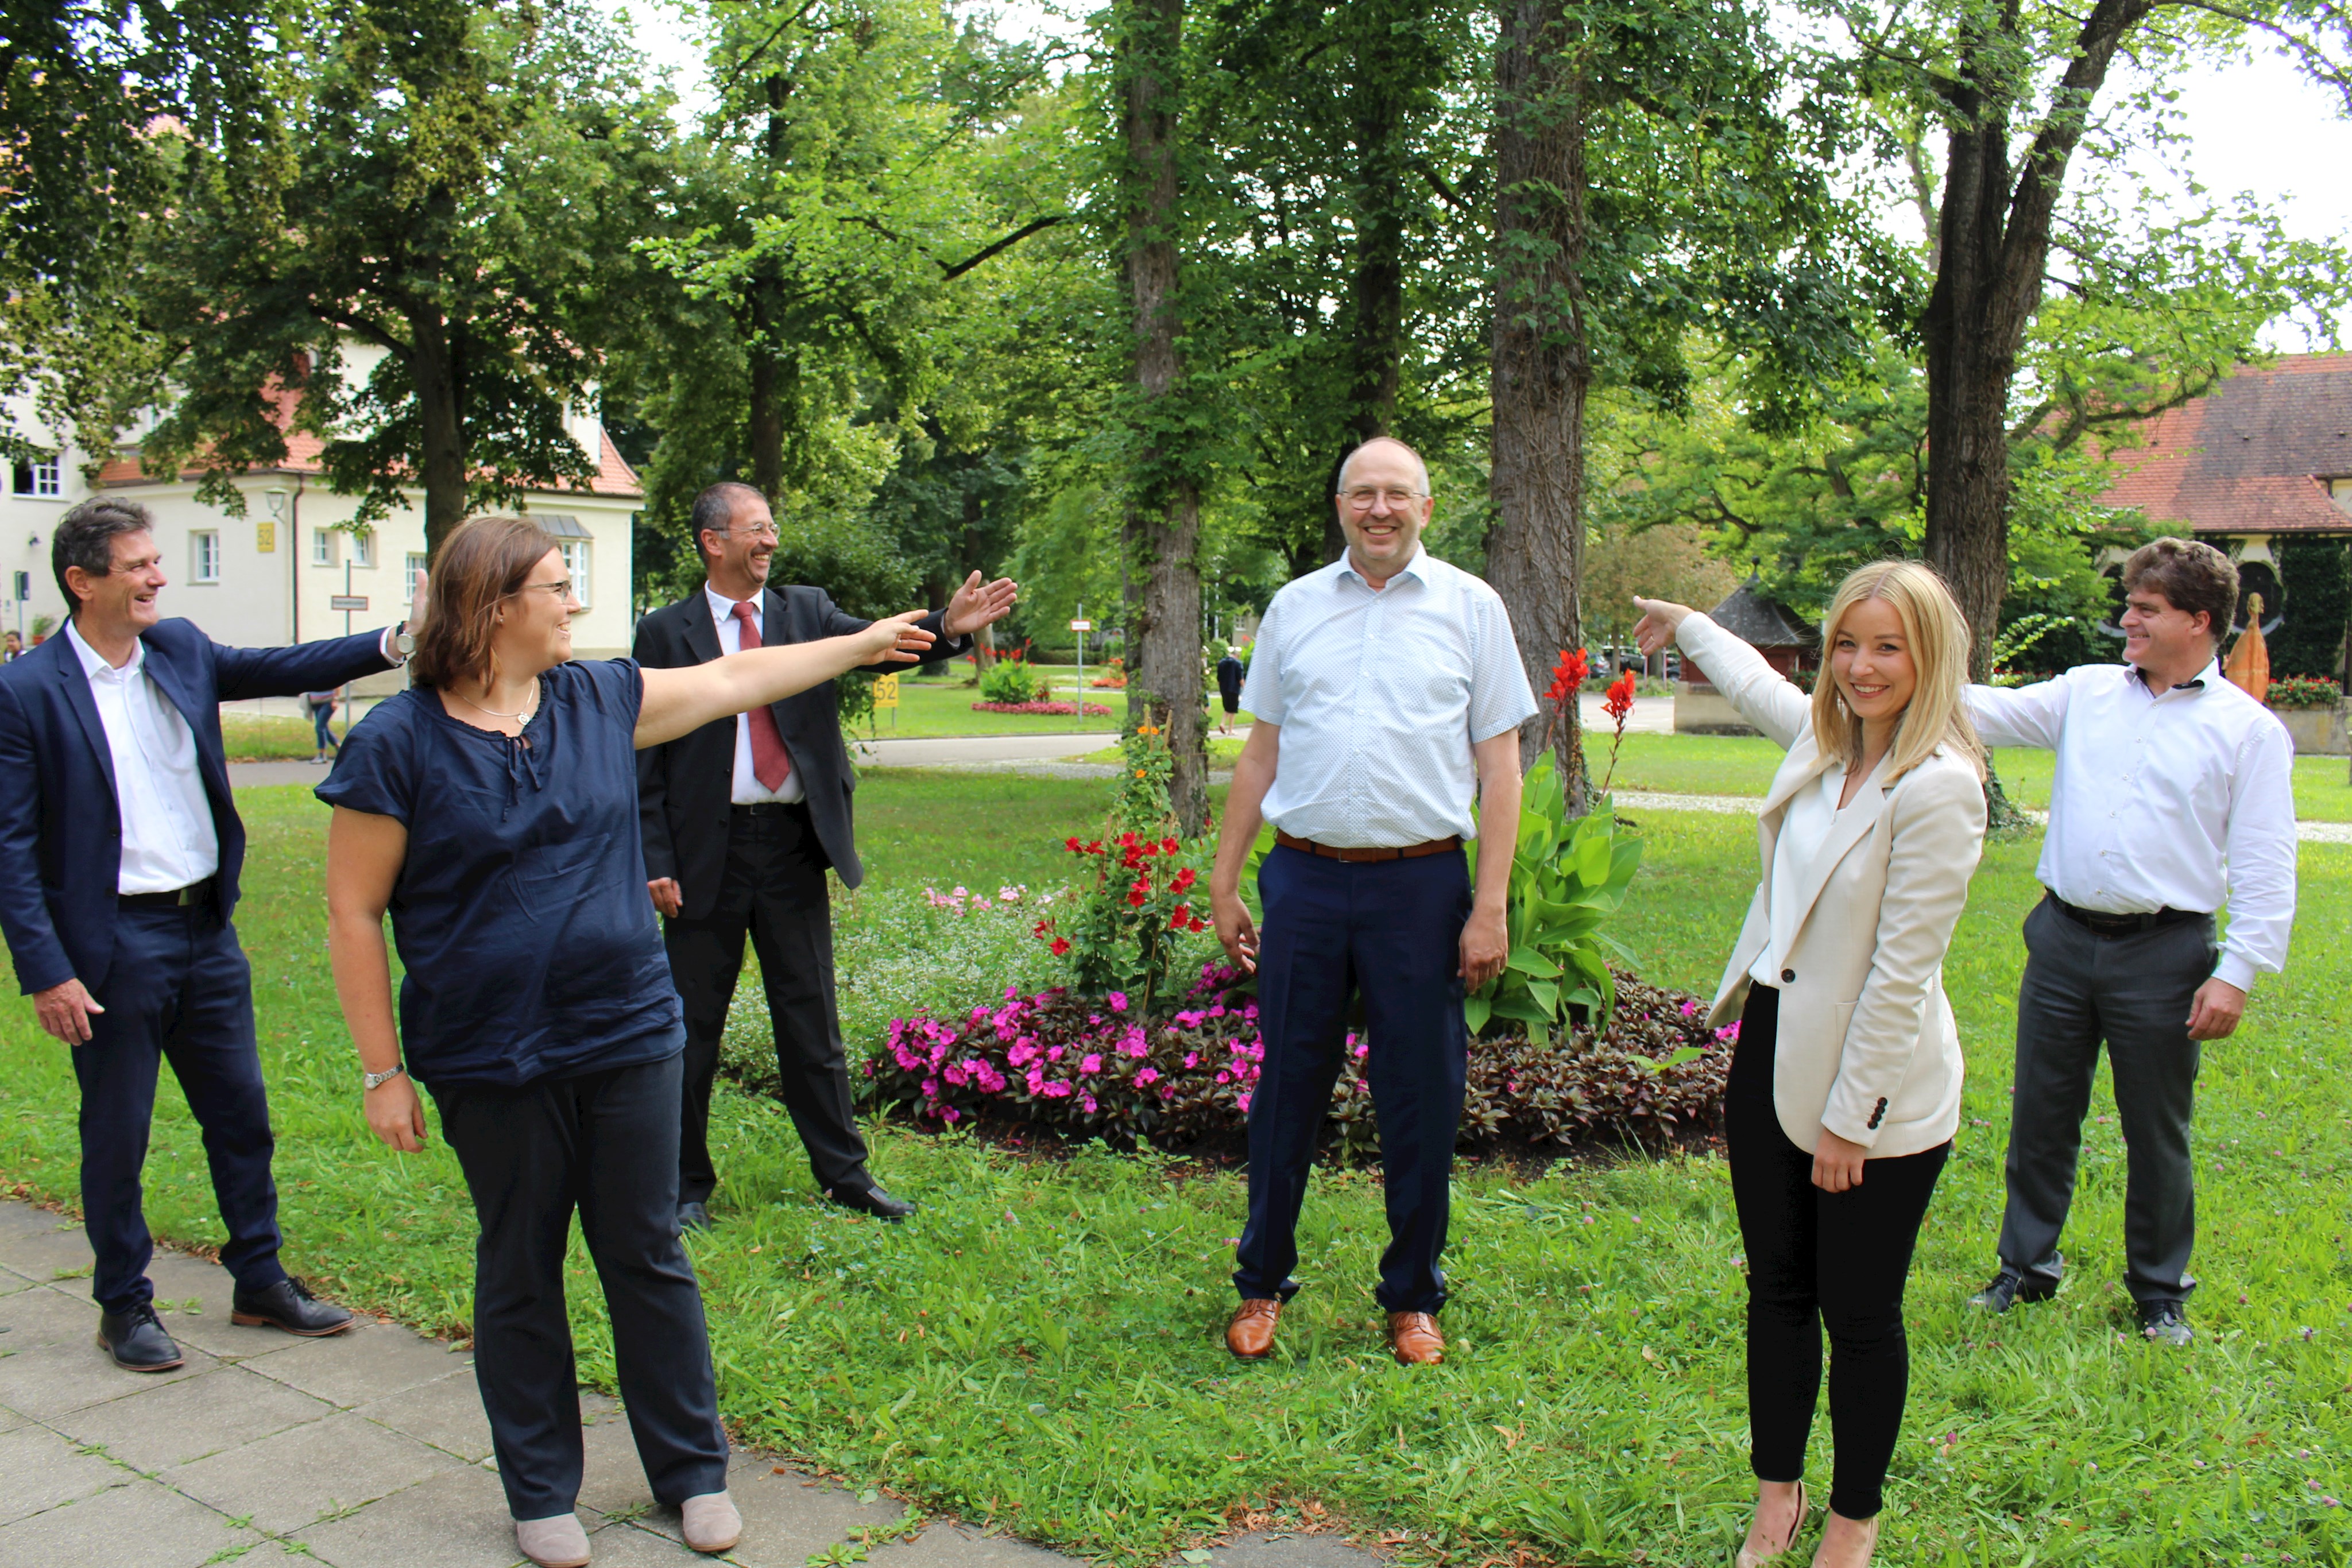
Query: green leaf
point(1476, 1011)
point(1521, 1008)
point(1547, 996)
point(1527, 961)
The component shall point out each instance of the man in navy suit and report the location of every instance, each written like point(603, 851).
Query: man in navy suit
point(740, 820)
point(119, 850)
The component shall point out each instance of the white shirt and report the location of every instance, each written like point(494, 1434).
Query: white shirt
point(1804, 824)
point(2182, 799)
point(169, 841)
point(747, 789)
point(1379, 694)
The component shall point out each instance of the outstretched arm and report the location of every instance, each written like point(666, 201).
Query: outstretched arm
point(678, 702)
point(1764, 697)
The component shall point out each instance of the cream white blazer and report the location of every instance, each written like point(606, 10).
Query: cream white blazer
point(1867, 1046)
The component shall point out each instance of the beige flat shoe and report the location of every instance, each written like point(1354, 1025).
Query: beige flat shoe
point(712, 1523)
point(1869, 1549)
point(1750, 1558)
point(557, 1541)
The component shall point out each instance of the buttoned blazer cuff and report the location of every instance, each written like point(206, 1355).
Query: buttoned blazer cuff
point(2236, 970)
point(1842, 1117)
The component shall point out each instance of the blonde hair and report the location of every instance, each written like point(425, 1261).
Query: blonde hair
point(1937, 635)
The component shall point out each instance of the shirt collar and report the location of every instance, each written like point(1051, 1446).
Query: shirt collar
point(1414, 568)
point(723, 607)
point(93, 663)
point(2205, 679)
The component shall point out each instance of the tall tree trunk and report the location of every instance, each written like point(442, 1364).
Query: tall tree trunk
point(1993, 248)
point(435, 372)
point(1164, 513)
point(764, 431)
point(1541, 370)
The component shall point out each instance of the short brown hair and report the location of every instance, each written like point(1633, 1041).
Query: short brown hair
point(2191, 575)
point(85, 537)
point(482, 563)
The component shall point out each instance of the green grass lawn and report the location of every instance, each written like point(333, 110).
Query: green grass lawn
point(939, 708)
point(1039, 1346)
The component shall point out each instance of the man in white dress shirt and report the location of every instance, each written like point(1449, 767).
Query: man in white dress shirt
point(2174, 794)
point(1388, 693)
point(120, 851)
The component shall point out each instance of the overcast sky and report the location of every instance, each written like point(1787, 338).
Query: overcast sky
point(2255, 126)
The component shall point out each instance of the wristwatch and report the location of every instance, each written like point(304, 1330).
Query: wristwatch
point(378, 1080)
point(404, 641)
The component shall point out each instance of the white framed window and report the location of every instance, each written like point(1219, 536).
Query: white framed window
point(408, 576)
point(38, 477)
point(575, 562)
point(204, 556)
point(322, 547)
point(363, 547)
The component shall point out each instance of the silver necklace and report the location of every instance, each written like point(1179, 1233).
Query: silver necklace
point(527, 708)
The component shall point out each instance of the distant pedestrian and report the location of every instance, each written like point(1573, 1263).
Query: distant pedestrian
point(321, 706)
point(1230, 672)
point(1388, 694)
point(492, 808)
point(11, 646)
point(2174, 794)
point(120, 853)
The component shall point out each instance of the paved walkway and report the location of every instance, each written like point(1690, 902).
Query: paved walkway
point(366, 1451)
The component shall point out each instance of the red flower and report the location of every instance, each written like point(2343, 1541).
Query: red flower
point(1074, 847)
point(1167, 846)
point(1061, 945)
point(1180, 919)
point(1042, 925)
point(1184, 881)
point(1138, 893)
point(1095, 848)
point(1619, 700)
point(1568, 675)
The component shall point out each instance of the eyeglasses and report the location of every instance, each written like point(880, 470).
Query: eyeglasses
point(763, 531)
point(1398, 500)
point(560, 589)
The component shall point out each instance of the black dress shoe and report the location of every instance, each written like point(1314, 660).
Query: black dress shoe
point(693, 1217)
point(873, 1200)
point(2008, 1287)
point(289, 1305)
point(137, 1340)
point(2165, 1323)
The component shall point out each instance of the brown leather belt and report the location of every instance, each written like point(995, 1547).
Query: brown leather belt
point(1410, 851)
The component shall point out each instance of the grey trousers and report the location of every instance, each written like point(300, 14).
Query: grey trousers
point(2135, 992)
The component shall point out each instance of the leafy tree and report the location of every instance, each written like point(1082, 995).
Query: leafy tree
point(439, 207)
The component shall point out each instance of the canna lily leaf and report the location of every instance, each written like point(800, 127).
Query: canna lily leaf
point(1527, 961)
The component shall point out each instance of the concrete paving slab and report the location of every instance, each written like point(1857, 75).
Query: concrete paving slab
point(10, 1420)
point(302, 1476)
point(193, 1298)
point(51, 1361)
point(786, 1516)
point(963, 1546)
point(624, 1544)
point(51, 1250)
point(613, 1481)
point(454, 1520)
point(446, 1413)
point(1263, 1550)
point(142, 1523)
point(45, 1470)
point(373, 1360)
point(12, 1282)
point(179, 1423)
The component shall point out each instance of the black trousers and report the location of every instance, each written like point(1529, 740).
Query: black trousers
point(1819, 1260)
point(775, 892)
point(179, 990)
point(605, 1144)
point(2135, 992)
point(1390, 930)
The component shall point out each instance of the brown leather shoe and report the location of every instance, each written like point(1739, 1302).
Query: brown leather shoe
point(1415, 1338)
point(1249, 1332)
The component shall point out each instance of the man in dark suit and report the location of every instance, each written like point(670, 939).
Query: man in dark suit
point(740, 820)
point(120, 851)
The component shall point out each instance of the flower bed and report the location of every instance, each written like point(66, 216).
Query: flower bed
point(1062, 710)
point(1096, 1070)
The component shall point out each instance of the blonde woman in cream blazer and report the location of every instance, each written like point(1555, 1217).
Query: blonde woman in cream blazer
point(1844, 1089)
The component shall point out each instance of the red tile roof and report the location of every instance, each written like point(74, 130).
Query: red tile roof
point(613, 475)
point(2252, 456)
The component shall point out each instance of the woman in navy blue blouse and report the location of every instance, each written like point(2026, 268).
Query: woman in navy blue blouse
point(492, 808)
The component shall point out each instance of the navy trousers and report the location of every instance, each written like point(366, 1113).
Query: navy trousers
point(605, 1144)
point(179, 989)
point(1390, 931)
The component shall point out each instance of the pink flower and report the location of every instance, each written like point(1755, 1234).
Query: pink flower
point(1729, 1033)
point(950, 1113)
point(1192, 1059)
point(1223, 1076)
point(1240, 1103)
point(1118, 1001)
point(1054, 1054)
point(1087, 1103)
point(930, 1088)
point(1147, 1077)
point(1057, 1090)
point(1690, 1009)
point(1090, 1062)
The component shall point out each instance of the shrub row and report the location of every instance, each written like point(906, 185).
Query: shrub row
point(1066, 710)
point(1094, 1069)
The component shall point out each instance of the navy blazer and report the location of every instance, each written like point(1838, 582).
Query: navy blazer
point(684, 785)
point(60, 826)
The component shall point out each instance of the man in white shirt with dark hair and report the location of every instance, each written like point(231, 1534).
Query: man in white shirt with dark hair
point(2174, 794)
point(1387, 692)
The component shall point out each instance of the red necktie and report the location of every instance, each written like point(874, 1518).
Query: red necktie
point(770, 763)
